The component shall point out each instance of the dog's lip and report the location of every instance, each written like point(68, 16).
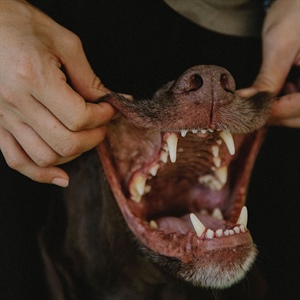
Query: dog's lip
point(185, 247)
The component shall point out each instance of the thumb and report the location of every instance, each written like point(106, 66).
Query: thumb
point(79, 71)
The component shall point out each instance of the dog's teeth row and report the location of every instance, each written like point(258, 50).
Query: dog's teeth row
point(203, 232)
point(184, 132)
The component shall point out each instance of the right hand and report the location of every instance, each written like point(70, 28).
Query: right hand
point(43, 121)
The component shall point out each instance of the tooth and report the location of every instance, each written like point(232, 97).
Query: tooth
point(198, 226)
point(219, 233)
point(164, 157)
point(243, 229)
point(183, 132)
point(153, 170)
point(210, 181)
point(153, 224)
point(194, 130)
point(217, 161)
point(137, 187)
point(215, 150)
point(243, 218)
point(147, 189)
point(228, 139)
point(217, 214)
point(231, 232)
point(237, 229)
point(221, 174)
point(210, 130)
point(226, 232)
point(203, 131)
point(209, 234)
point(172, 145)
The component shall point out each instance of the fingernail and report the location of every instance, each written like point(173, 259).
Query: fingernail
point(62, 182)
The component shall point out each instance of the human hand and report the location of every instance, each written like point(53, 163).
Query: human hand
point(43, 121)
point(281, 51)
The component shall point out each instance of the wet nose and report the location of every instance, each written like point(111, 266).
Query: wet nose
point(206, 82)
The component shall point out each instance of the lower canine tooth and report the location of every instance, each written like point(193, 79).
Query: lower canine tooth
point(243, 218)
point(198, 226)
point(172, 140)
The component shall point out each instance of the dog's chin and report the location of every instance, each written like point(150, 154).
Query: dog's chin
point(182, 194)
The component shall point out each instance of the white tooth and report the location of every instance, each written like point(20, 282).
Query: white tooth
point(219, 233)
point(210, 181)
point(203, 131)
point(243, 229)
point(209, 234)
point(219, 142)
point(194, 130)
point(226, 232)
point(243, 218)
point(172, 145)
point(198, 226)
point(153, 170)
point(221, 174)
point(215, 150)
point(217, 214)
point(147, 189)
point(164, 157)
point(228, 139)
point(217, 161)
point(153, 224)
point(210, 130)
point(203, 212)
point(231, 232)
point(137, 188)
point(237, 229)
point(183, 132)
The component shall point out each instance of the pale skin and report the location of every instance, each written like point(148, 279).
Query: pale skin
point(44, 122)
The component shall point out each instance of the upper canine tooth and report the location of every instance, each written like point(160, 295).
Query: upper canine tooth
point(183, 132)
point(172, 140)
point(137, 187)
point(221, 174)
point(217, 214)
point(198, 226)
point(243, 218)
point(228, 139)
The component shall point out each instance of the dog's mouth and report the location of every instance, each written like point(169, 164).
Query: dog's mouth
point(182, 193)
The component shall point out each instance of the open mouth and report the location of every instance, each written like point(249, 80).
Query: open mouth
point(179, 167)
point(183, 194)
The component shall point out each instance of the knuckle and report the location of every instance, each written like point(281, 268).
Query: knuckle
point(47, 159)
point(72, 41)
point(14, 163)
point(70, 147)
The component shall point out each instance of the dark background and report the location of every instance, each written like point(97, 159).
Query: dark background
point(135, 47)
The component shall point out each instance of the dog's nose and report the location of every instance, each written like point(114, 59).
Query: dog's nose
point(206, 83)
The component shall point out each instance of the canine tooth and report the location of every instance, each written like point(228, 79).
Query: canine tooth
point(231, 232)
point(137, 188)
point(228, 139)
point(153, 170)
point(226, 232)
point(237, 229)
point(209, 234)
point(219, 232)
point(194, 131)
point(221, 174)
point(183, 132)
point(243, 218)
point(153, 224)
point(164, 157)
point(215, 151)
point(217, 161)
point(172, 145)
point(198, 226)
point(217, 214)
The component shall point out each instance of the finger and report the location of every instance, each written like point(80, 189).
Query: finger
point(291, 122)
point(68, 106)
point(18, 160)
point(80, 73)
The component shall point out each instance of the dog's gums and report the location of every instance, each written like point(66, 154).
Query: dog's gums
point(179, 166)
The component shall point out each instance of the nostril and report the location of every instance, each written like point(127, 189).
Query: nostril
point(196, 82)
point(226, 83)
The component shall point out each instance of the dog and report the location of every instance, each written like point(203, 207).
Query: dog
point(157, 211)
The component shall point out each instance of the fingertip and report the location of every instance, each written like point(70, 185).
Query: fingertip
point(247, 92)
point(61, 182)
